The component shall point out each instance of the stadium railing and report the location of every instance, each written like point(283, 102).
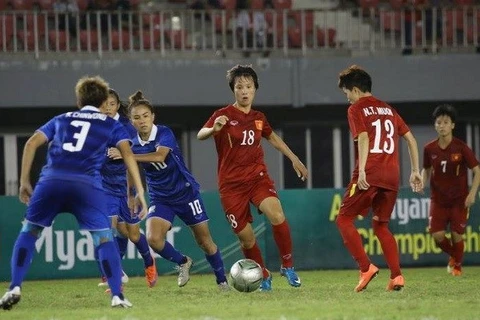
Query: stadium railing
point(287, 32)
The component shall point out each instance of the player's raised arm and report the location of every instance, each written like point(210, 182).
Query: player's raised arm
point(278, 143)
point(207, 132)
point(33, 143)
point(416, 180)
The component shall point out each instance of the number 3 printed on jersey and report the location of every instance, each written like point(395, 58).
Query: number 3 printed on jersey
point(80, 137)
point(389, 144)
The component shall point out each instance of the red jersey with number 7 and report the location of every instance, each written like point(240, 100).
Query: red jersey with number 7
point(449, 179)
point(384, 126)
point(239, 148)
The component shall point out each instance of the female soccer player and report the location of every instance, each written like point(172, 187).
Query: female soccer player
point(114, 178)
point(446, 161)
point(71, 182)
point(242, 174)
point(173, 192)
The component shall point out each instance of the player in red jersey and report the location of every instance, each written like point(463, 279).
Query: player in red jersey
point(242, 174)
point(376, 128)
point(446, 161)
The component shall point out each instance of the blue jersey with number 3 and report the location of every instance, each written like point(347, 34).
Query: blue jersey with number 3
point(169, 181)
point(77, 144)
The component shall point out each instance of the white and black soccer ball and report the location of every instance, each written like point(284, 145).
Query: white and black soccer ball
point(246, 275)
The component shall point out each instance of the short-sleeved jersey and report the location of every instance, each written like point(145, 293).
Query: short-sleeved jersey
point(114, 172)
point(240, 153)
point(449, 180)
point(384, 126)
point(169, 182)
point(77, 144)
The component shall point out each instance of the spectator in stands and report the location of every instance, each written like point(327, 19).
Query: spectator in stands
point(252, 28)
point(67, 11)
point(205, 5)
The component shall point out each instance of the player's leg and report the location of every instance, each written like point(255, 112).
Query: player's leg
point(89, 207)
point(159, 222)
point(458, 223)
point(438, 221)
point(383, 203)
point(356, 202)
point(43, 207)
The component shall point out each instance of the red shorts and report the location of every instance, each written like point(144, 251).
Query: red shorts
point(441, 216)
point(236, 200)
point(358, 202)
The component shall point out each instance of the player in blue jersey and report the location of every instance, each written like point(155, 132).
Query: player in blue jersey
point(71, 182)
point(114, 175)
point(173, 191)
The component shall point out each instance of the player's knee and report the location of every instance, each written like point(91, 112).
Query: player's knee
point(247, 243)
point(134, 236)
point(101, 236)
point(379, 227)
point(33, 229)
point(207, 245)
point(155, 241)
point(342, 221)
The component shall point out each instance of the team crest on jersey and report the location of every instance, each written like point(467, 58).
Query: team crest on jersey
point(233, 122)
point(456, 156)
point(259, 124)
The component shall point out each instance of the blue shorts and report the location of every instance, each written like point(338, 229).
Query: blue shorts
point(53, 196)
point(118, 206)
point(191, 212)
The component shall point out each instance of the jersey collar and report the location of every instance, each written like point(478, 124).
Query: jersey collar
point(116, 116)
point(90, 108)
point(153, 134)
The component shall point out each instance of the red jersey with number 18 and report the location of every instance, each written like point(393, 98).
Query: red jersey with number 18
point(240, 153)
point(384, 126)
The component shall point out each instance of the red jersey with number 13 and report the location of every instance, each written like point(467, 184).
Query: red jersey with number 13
point(240, 153)
point(384, 126)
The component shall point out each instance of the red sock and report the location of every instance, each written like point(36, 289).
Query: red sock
point(255, 254)
point(458, 253)
point(283, 239)
point(353, 241)
point(389, 247)
point(446, 246)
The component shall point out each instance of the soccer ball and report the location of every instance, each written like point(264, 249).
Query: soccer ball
point(246, 275)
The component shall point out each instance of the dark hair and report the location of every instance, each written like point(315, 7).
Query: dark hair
point(138, 99)
point(91, 91)
point(241, 71)
point(123, 106)
point(354, 76)
point(445, 110)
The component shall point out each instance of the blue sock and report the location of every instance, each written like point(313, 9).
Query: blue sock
point(22, 255)
point(122, 244)
point(111, 266)
point(170, 253)
point(142, 247)
point(95, 255)
point(216, 262)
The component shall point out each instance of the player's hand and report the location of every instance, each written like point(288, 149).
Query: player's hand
point(131, 204)
point(141, 206)
point(416, 182)
point(219, 123)
point(470, 200)
point(300, 169)
point(25, 192)
point(362, 183)
point(114, 154)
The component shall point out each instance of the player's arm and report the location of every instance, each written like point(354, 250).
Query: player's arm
point(474, 188)
point(416, 180)
point(207, 132)
point(33, 143)
point(127, 155)
point(363, 148)
point(158, 156)
point(426, 174)
point(278, 143)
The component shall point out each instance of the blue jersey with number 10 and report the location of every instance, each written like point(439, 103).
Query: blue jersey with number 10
point(77, 144)
point(169, 182)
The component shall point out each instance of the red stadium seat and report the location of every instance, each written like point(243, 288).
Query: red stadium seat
point(175, 38)
point(218, 21)
point(230, 4)
point(257, 4)
point(22, 4)
point(464, 2)
point(123, 36)
point(60, 37)
point(134, 4)
point(455, 16)
point(82, 4)
point(88, 38)
point(391, 20)
point(308, 16)
point(294, 37)
point(148, 42)
point(7, 31)
point(41, 22)
point(326, 37)
point(45, 4)
point(282, 4)
point(152, 19)
point(396, 4)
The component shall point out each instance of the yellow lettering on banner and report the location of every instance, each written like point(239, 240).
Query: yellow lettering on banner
point(417, 244)
point(335, 208)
